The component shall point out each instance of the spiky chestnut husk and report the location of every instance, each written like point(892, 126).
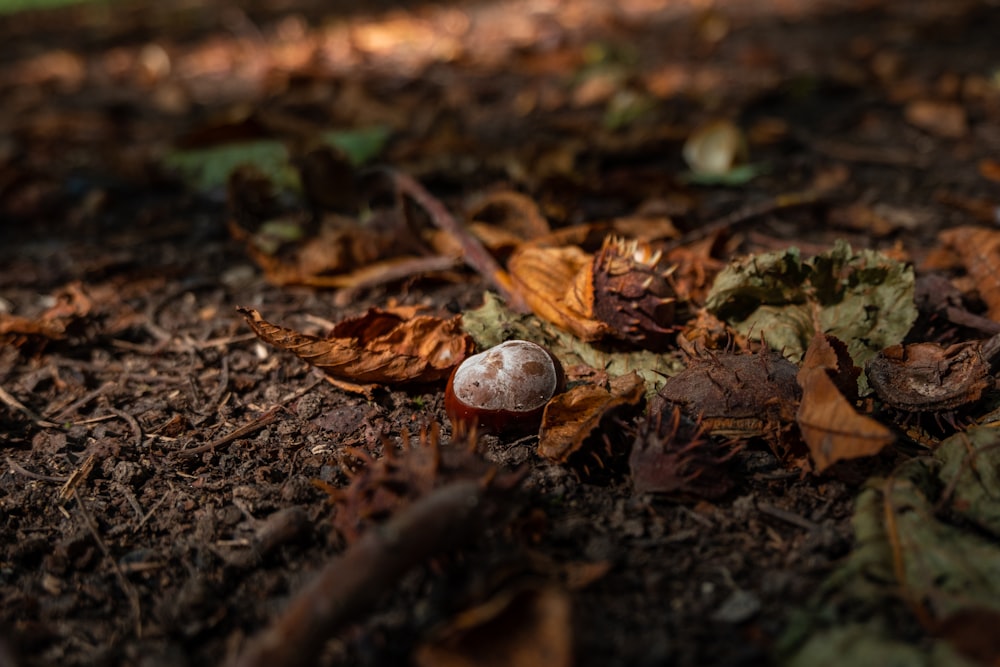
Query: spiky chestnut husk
point(632, 294)
point(505, 389)
point(673, 455)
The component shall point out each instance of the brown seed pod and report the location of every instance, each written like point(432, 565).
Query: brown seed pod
point(926, 377)
point(737, 395)
point(621, 292)
point(504, 389)
point(672, 455)
point(631, 294)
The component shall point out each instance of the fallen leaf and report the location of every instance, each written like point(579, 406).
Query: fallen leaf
point(943, 119)
point(911, 558)
point(978, 249)
point(865, 299)
point(576, 425)
point(828, 422)
point(526, 626)
point(392, 346)
point(619, 292)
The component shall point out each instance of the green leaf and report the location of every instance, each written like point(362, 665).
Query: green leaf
point(911, 554)
point(863, 298)
point(207, 169)
point(361, 145)
point(738, 175)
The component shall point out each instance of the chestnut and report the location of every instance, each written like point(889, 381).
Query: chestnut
point(504, 389)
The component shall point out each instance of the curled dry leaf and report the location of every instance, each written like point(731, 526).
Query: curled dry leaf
point(520, 626)
point(72, 305)
point(672, 455)
point(575, 423)
point(830, 426)
point(391, 346)
point(620, 292)
point(737, 395)
point(293, 251)
point(926, 377)
point(943, 119)
point(978, 250)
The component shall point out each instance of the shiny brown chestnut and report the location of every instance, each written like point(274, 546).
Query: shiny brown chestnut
point(504, 389)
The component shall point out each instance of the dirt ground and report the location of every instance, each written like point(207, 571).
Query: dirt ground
point(150, 557)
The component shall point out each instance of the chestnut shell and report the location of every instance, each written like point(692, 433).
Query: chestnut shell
point(505, 389)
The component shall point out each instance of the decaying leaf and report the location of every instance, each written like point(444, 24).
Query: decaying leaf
point(978, 250)
point(391, 346)
point(293, 250)
point(926, 377)
point(827, 421)
point(493, 323)
point(671, 455)
point(520, 626)
point(911, 559)
point(620, 292)
point(865, 299)
point(737, 395)
point(944, 119)
point(576, 425)
point(72, 304)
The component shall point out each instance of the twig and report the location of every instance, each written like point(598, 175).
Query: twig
point(257, 424)
point(473, 252)
point(132, 422)
point(353, 583)
point(786, 516)
point(751, 211)
point(123, 582)
point(79, 403)
point(16, 467)
point(15, 404)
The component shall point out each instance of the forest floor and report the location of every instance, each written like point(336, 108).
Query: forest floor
point(122, 350)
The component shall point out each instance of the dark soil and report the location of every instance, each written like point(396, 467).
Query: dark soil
point(154, 559)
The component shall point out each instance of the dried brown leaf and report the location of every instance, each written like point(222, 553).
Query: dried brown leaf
point(979, 250)
point(830, 426)
point(547, 280)
point(391, 346)
point(525, 626)
point(571, 424)
point(943, 119)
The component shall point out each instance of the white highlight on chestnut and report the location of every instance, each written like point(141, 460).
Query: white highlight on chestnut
point(517, 376)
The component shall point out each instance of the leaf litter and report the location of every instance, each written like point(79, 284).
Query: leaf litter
point(567, 199)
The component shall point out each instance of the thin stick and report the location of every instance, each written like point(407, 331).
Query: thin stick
point(353, 583)
point(473, 252)
point(260, 422)
point(16, 467)
point(123, 582)
point(15, 404)
point(750, 212)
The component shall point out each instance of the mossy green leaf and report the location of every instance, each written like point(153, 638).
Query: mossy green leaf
point(359, 145)
point(863, 298)
point(208, 169)
point(908, 552)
